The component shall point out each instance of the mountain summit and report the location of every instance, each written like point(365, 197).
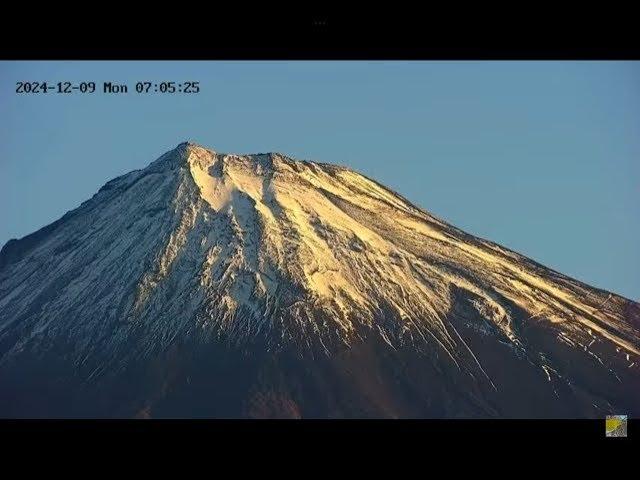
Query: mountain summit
point(220, 285)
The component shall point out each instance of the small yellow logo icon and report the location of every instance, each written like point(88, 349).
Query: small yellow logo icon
point(616, 426)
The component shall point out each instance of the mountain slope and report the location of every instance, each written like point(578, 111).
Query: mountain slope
point(222, 285)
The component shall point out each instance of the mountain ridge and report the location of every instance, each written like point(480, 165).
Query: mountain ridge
point(315, 269)
point(188, 143)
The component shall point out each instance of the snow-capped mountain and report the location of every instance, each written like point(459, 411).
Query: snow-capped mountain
point(218, 285)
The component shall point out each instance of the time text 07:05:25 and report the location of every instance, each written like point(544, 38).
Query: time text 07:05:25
point(107, 87)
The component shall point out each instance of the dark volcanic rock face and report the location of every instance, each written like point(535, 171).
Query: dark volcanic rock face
point(225, 286)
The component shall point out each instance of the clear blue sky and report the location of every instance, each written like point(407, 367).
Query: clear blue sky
point(542, 157)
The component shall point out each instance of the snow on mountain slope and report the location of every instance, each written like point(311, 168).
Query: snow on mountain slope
point(324, 293)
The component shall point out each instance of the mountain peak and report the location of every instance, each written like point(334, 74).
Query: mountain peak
point(189, 144)
point(189, 152)
point(185, 149)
